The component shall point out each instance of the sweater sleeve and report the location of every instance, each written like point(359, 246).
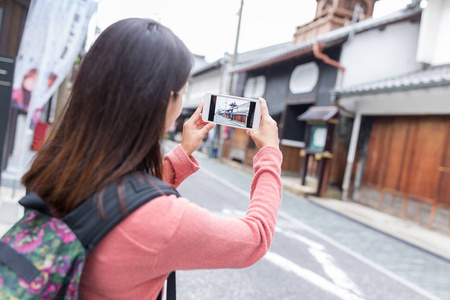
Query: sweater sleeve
point(204, 241)
point(177, 166)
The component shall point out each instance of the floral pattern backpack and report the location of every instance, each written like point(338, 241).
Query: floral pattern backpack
point(42, 257)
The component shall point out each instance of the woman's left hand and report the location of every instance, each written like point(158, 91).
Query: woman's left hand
point(194, 130)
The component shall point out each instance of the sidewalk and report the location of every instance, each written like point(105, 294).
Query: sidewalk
point(11, 191)
point(10, 210)
point(410, 232)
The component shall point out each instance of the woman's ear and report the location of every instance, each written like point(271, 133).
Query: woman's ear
point(173, 96)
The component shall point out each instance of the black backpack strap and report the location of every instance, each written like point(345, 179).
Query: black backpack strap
point(90, 227)
point(171, 288)
point(33, 201)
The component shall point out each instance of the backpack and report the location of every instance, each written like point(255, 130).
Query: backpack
point(42, 257)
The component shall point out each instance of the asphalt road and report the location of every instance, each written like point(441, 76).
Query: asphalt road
point(304, 262)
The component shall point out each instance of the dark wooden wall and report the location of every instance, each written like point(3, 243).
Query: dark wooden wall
point(292, 161)
point(13, 17)
point(13, 21)
point(340, 150)
point(410, 155)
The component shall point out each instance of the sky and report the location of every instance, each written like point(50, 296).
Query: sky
point(208, 27)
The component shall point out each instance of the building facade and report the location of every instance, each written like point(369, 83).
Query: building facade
point(399, 157)
point(301, 76)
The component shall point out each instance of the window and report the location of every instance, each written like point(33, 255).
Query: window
point(318, 137)
point(255, 87)
point(304, 78)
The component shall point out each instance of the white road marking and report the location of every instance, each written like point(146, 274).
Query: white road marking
point(300, 238)
point(310, 276)
point(356, 255)
point(336, 274)
point(327, 261)
point(361, 258)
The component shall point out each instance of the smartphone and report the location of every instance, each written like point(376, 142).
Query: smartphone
point(232, 111)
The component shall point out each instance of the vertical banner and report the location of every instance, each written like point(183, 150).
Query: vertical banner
point(54, 34)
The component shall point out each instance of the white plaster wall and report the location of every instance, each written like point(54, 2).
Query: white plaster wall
point(379, 54)
point(434, 41)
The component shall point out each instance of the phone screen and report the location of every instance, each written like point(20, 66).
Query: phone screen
point(231, 111)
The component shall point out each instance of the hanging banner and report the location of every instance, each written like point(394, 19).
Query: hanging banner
point(53, 37)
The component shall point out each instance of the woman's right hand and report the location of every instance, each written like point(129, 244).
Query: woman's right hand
point(267, 133)
point(194, 130)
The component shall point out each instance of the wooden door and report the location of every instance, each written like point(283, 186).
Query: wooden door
point(239, 145)
point(444, 169)
point(410, 155)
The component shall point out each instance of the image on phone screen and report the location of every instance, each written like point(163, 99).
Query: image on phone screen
point(232, 112)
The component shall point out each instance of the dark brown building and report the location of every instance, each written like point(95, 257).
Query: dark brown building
point(13, 14)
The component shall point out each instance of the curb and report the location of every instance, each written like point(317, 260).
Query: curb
point(411, 233)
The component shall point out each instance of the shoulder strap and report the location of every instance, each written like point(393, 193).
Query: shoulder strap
point(33, 201)
point(90, 227)
point(85, 220)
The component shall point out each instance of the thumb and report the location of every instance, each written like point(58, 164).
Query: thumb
point(207, 128)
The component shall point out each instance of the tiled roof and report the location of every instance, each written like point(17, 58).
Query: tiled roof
point(430, 77)
point(242, 58)
point(245, 57)
point(206, 67)
point(330, 38)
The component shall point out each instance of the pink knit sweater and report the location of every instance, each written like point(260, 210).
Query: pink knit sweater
point(170, 233)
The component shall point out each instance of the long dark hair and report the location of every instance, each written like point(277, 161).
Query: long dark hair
point(115, 118)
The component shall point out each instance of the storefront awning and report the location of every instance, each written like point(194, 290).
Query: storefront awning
point(319, 113)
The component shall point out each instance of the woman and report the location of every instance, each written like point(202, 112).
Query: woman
point(127, 94)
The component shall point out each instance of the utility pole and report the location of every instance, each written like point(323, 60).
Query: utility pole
point(220, 129)
point(233, 63)
point(236, 44)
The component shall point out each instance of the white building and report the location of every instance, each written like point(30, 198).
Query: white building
point(397, 90)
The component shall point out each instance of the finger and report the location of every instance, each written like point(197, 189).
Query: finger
point(200, 119)
point(203, 122)
point(207, 128)
point(264, 108)
point(200, 122)
point(196, 115)
point(199, 109)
